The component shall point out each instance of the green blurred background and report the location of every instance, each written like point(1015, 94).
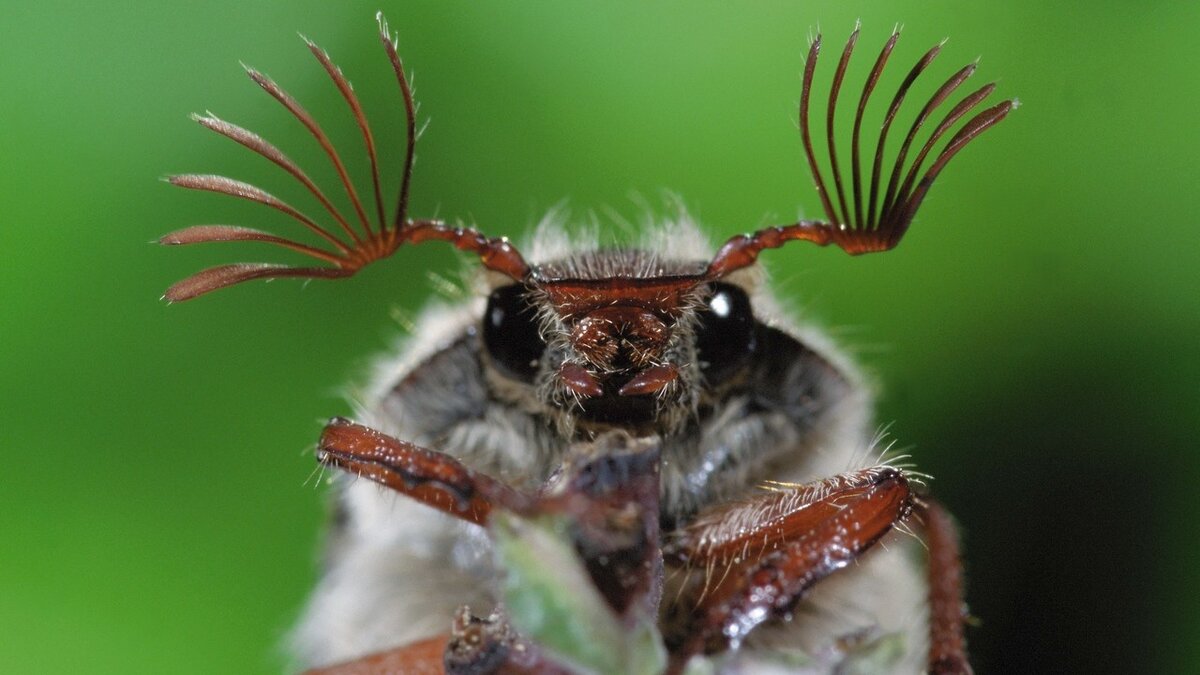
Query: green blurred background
point(1034, 335)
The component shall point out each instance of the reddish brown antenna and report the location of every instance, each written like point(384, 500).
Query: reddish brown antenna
point(866, 228)
point(359, 243)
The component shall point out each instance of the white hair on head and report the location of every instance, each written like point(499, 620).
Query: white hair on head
point(554, 238)
point(675, 236)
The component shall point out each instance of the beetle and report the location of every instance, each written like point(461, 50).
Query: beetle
point(694, 471)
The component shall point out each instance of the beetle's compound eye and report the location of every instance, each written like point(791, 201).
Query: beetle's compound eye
point(510, 333)
point(725, 336)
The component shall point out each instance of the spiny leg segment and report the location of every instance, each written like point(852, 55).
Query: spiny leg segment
point(759, 557)
point(947, 611)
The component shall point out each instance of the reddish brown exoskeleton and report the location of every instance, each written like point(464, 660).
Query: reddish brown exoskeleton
point(707, 467)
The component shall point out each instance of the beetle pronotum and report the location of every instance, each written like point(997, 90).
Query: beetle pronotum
point(620, 411)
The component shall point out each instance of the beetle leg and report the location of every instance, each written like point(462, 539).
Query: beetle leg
point(947, 646)
point(472, 646)
point(766, 553)
point(429, 477)
point(424, 657)
point(610, 493)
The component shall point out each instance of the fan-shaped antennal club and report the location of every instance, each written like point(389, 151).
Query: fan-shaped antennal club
point(865, 223)
point(354, 243)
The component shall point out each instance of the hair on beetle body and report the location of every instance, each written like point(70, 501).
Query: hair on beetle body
point(617, 459)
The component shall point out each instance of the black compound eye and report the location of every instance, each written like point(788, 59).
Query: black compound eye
point(725, 336)
point(510, 333)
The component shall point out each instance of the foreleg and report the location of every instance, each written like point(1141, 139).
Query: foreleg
point(760, 557)
point(430, 477)
point(947, 646)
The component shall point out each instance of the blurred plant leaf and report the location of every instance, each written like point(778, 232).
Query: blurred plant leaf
point(550, 598)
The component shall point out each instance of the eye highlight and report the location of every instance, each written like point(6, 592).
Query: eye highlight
point(510, 333)
point(725, 336)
